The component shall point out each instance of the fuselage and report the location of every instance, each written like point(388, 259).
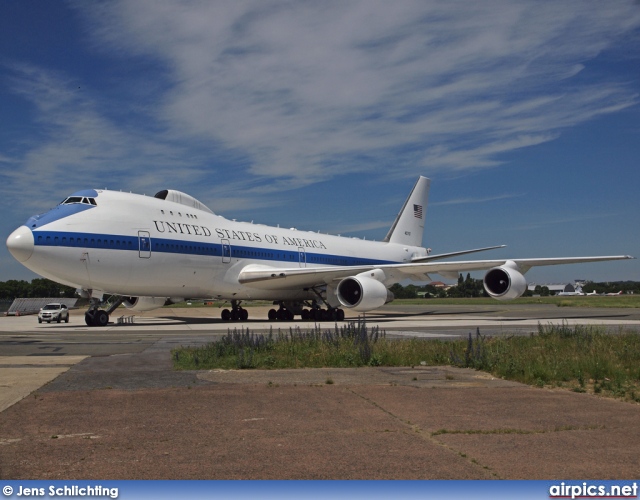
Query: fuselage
point(134, 245)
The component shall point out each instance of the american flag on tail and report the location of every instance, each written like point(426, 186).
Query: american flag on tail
point(417, 211)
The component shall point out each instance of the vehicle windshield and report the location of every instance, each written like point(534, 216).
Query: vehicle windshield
point(50, 307)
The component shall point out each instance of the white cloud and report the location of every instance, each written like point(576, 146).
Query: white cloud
point(300, 92)
point(299, 87)
point(78, 145)
point(472, 200)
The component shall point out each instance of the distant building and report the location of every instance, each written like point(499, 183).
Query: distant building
point(439, 284)
point(556, 288)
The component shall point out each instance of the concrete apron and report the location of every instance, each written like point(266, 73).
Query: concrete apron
point(21, 375)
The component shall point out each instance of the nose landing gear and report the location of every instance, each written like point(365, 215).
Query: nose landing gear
point(99, 317)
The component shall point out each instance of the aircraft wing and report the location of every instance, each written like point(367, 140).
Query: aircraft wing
point(429, 258)
point(273, 278)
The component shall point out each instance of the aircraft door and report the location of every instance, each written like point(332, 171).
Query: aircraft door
point(302, 257)
point(226, 252)
point(144, 244)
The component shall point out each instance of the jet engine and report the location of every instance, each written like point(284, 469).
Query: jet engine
point(362, 293)
point(505, 282)
point(144, 303)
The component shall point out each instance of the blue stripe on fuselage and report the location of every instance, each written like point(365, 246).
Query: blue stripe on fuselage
point(162, 245)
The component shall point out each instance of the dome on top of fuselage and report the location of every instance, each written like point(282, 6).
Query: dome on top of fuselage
point(182, 199)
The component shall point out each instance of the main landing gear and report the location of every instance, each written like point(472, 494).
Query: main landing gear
point(286, 312)
point(237, 313)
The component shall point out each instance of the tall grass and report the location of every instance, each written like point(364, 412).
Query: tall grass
point(581, 358)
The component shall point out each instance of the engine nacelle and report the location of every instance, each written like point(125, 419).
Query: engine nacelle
point(505, 282)
point(144, 303)
point(362, 293)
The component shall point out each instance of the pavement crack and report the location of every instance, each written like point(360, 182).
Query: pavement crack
point(563, 428)
point(427, 436)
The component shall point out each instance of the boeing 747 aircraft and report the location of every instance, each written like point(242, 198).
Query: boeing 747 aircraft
point(155, 250)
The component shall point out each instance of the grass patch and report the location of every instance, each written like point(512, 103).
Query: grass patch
point(621, 301)
point(578, 358)
point(349, 345)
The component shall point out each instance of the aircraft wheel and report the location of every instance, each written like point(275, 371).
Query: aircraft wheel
point(283, 315)
point(339, 315)
point(305, 314)
point(273, 315)
point(244, 315)
point(88, 318)
point(101, 318)
point(234, 315)
point(225, 315)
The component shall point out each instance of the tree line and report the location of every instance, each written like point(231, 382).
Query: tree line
point(37, 288)
point(470, 287)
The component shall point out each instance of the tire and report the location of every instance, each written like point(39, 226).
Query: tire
point(88, 318)
point(100, 318)
point(39, 320)
point(66, 320)
point(339, 315)
point(244, 315)
point(273, 315)
point(59, 318)
point(226, 315)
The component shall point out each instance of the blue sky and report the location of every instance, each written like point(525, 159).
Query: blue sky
point(321, 115)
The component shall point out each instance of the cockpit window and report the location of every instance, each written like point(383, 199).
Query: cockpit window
point(79, 199)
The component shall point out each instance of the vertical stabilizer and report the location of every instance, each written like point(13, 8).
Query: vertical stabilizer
point(408, 228)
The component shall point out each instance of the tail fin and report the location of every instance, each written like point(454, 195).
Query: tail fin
point(408, 228)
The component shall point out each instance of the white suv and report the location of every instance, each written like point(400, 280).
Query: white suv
point(53, 312)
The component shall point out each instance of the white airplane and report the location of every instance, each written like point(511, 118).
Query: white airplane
point(166, 248)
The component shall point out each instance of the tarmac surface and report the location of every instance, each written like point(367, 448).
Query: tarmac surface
point(105, 403)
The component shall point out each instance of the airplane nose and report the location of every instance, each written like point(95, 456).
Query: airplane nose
point(20, 243)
